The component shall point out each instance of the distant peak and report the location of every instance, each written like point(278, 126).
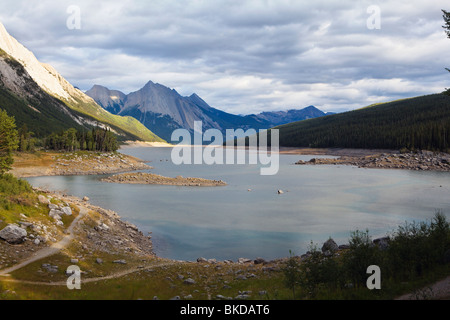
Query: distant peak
point(149, 83)
point(97, 86)
point(152, 84)
point(196, 97)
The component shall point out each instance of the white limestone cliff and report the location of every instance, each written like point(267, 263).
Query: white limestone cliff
point(43, 74)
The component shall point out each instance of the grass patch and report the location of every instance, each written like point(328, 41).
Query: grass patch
point(17, 199)
point(164, 282)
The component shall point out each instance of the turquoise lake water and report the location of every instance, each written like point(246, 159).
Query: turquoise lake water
point(232, 222)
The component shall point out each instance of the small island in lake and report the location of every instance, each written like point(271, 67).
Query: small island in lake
point(149, 178)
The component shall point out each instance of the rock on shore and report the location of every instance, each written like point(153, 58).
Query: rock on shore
point(13, 234)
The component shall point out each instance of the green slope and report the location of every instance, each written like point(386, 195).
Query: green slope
point(126, 125)
point(44, 119)
point(415, 123)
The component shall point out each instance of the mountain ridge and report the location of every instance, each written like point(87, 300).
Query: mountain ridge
point(50, 81)
point(163, 110)
point(22, 98)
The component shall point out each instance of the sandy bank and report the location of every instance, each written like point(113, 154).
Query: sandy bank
point(131, 144)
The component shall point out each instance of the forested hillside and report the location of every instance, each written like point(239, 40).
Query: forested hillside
point(416, 123)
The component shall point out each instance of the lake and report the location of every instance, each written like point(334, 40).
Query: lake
point(248, 218)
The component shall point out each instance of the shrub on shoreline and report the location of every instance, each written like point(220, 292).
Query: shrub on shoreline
point(413, 251)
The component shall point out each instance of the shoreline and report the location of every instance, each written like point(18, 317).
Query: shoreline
point(418, 161)
point(107, 231)
point(42, 164)
point(349, 152)
point(133, 144)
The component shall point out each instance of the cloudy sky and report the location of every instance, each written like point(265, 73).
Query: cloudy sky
point(244, 56)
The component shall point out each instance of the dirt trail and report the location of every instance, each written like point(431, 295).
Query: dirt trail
point(51, 250)
point(437, 291)
point(90, 280)
point(57, 247)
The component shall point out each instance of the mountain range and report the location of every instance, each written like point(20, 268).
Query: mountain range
point(38, 96)
point(163, 110)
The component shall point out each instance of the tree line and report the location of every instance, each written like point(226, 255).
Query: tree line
point(97, 139)
point(421, 123)
point(11, 139)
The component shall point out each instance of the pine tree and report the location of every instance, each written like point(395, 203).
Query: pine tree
point(8, 141)
point(97, 139)
point(447, 22)
point(447, 31)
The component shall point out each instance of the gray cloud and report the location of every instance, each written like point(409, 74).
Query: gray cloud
point(244, 56)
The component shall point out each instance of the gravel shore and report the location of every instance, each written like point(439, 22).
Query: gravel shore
point(148, 178)
point(419, 161)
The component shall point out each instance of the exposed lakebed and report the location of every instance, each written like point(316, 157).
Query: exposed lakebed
point(248, 218)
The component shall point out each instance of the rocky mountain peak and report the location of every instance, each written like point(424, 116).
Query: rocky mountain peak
point(45, 76)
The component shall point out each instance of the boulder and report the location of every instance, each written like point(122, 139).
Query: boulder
point(244, 260)
point(25, 225)
point(50, 268)
point(52, 206)
point(42, 239)
point(382, 243)
point(13, 234)
point(67, 211)
point(101, 227)
point(43, 199)
point(55, 214)
point(330, 245)
point(189, 281)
